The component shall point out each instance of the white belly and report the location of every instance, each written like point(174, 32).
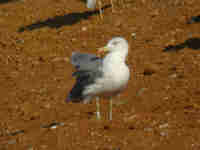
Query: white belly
point(112, 81)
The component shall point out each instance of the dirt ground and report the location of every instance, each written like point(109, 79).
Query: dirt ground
point(159, 110)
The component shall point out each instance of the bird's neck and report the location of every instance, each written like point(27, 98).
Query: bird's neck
point(116, 57)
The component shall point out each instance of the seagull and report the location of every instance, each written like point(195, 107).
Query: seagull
point(91, 4)
point(96, 77)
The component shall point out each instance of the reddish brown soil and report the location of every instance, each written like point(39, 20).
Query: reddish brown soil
point(159, 110)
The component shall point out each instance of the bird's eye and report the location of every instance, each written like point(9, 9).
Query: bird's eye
point(115, 43)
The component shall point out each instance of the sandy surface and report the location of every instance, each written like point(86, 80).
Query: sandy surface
point(160, 109)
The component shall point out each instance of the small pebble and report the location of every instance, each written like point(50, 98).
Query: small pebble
point(56, 59)
point(167, 87)
point(163, 134)
point(118, 23)
point(20, 41)
point(48, 106)
point(56, 125)
point(166, 98)
point(173, 75)
point(141, 91)
point(162, 126)
point(148, 129)
point(84, 28)
point(168, 113)
point(73, 39)
point(12, 142)
point(133, 35)
point(44, 146)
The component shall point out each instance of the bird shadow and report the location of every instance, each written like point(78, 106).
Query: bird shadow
point(193, 43)
point(194, 19)
point(59, 21)
point(7, 1)
point(84, 1)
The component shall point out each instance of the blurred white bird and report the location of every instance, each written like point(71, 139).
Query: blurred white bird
point(97, 77)
point(91, 4)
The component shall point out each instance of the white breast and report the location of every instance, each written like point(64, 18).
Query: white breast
point(116, 80)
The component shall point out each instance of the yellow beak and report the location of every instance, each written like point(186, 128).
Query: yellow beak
point(103, 49)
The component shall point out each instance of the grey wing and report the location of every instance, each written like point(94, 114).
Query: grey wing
point(84, 61)
point(88, 70)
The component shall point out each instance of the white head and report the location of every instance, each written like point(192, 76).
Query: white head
point(116, 44)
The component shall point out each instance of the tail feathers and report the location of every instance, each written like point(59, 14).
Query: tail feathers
point(83, 79)
point(76, 94)
point(73, 98)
